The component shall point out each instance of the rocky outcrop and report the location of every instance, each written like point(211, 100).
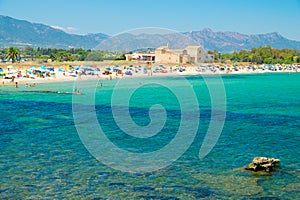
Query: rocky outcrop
point(262, 164)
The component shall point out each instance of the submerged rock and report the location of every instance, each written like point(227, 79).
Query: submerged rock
point(262, 164)
point(232, 184)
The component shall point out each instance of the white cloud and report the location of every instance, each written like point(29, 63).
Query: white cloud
point(58, 28)
point(65, 29)
point(71, 29)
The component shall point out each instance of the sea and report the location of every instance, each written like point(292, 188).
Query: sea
point(181, 137)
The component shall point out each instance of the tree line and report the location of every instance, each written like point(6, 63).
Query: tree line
point(261, 55)
point(14, 54)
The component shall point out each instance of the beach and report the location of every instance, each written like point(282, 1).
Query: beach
point(62, 72)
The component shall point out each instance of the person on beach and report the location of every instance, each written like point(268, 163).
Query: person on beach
point(16, 85)
point(3, 83)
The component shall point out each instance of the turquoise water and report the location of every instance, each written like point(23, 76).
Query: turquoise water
point(42, 156)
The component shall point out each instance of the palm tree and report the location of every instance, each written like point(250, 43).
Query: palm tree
point(12, 53)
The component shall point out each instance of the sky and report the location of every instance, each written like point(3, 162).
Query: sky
point(114, 16)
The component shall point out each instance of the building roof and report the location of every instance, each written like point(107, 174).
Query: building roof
point(193, 47)
point(162, 47)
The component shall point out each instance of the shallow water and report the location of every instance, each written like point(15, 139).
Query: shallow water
point(42, 156)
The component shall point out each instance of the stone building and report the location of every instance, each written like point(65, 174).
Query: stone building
point(165, 55)
point(189, 55)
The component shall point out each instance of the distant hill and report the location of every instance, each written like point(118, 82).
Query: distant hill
point(233, 41)
point(221, 41)
point(15, 32)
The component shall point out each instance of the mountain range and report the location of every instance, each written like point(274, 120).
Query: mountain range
point(14, 32)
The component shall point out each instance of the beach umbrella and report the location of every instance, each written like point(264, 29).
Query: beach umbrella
point(1, 70)
point(108, 68)
point(77, 67)
point(10, 67)
point(43, 68)
point(270, 67)
point(32, 67)
point(128, 73)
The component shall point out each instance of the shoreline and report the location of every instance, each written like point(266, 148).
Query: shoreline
point(29, 72)
point(61, 78)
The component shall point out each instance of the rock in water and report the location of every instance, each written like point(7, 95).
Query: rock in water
point(262, 164)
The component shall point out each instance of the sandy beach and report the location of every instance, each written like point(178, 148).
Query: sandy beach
point(137, 70)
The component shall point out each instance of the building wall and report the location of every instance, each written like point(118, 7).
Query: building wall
point(186, 59)
point(159, 53)
point(165, 55)
point(196, 53)
point(191, 54)
point(169, 58)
